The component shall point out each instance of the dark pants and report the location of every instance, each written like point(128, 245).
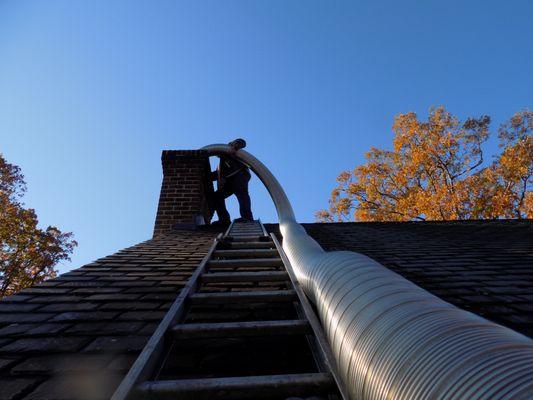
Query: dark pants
point(237, 185)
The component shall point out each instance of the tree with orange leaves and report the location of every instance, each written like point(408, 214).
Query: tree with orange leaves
point(28, 254)
point(436, 171)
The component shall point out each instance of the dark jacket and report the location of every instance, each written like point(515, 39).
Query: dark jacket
point(228, 168)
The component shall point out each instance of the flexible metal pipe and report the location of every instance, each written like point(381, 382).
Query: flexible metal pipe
point(390, 338)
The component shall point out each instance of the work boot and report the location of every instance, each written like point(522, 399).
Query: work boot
point(222, 224)
point(244, 220)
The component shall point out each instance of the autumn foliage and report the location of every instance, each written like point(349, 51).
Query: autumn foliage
point(437, 171)
point(28, 254)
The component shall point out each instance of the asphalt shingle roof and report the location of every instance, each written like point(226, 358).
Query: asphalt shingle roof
point(76, 336)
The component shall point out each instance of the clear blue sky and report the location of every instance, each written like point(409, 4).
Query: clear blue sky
point(92, 91)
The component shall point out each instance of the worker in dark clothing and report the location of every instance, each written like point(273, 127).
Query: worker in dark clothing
point(232, 177)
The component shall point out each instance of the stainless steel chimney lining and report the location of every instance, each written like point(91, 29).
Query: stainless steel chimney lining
point(390, 338)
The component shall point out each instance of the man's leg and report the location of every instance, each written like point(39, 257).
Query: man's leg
point(240, 188)
point(220, 205)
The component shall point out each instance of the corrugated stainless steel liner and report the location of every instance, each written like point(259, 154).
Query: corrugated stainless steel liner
point(392, 339)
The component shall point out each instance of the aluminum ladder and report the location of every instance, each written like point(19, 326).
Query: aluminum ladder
point(241, 328)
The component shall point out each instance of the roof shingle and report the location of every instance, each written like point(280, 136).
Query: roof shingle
point(76, 336)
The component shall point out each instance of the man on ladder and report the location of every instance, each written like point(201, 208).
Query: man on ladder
point(232, 177)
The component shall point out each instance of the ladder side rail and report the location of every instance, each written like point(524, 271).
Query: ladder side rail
point(265, 233)
point(226, 233)
point(324, 350)
point(152, 352)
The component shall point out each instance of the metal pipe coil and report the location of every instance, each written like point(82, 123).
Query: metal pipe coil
point(390, 338)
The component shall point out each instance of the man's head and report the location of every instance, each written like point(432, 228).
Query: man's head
point(238, 144)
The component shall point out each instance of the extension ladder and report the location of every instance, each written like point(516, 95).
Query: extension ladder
point(241, 328)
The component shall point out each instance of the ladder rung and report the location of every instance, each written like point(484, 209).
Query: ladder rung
point(250, 245)
point(267, 276)
point(258, 253)
point(246, 262)
point(246, 238)
point(252, 328)
point(251, 296)
point(247, 387)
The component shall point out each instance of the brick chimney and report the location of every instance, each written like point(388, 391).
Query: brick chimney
point(185, 192)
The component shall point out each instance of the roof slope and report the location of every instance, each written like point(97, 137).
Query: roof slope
point(482, 266)
point(76, 336)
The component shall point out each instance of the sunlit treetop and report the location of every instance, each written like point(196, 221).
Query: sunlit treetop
point(437, 171)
